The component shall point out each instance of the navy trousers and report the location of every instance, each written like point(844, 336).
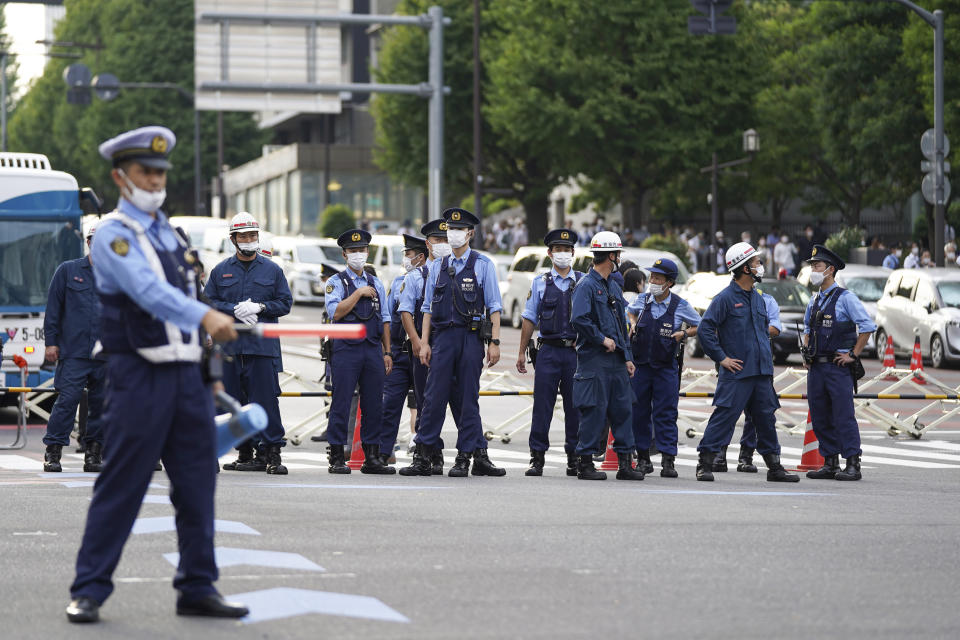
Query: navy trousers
point(254, 379)
point(830, 395)
point(455, 369)
point(754, 394)
point(356, 364)
point(555, 369)
point(601, 392)
point(73, 374)
point(396, 388)
point(656, 394)
point(153, 412)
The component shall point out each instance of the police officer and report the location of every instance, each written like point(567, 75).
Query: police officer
point(657, 317)
point(601, 384)
point(836, 328)
point(461, 290)
point(70, 330)
point(734, 333)
point(253, 289)
point(399, 383)
point(157, 404)
point(548, 308)
point(354, 296)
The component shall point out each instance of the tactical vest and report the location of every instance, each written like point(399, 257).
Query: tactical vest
point(457, 297)
point(831, 334)
point(366, 312)
point(554, 319)
point(652, 343)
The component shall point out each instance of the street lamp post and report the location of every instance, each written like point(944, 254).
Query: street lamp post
point(751, 144)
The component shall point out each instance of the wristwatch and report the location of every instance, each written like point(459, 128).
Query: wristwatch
point(495, 341)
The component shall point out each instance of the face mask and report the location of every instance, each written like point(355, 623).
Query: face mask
point(655, 289)
point(407, 264)
point(563, 259)
point(816, 278)
point(758, 273)
point(784, 239)
point(248, 248)
point(356, 260)
point(457, 237)
point(442, 250)
point(148, 201)
point(915, 251)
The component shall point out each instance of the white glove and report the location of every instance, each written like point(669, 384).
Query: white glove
point(247, 311)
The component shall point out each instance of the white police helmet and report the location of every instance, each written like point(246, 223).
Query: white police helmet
point(243, 221)
point(739, 254)
point(605, 241)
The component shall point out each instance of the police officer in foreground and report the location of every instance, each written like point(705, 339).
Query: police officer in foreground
point(354, 296)
point(158, 405)
point(70, 330)
point(658, 317)
point(836, 329)
point(460, 294)
point(399, 383)
point(548, 308)
point(601, 385)
point(253, 289)
point(734, 333)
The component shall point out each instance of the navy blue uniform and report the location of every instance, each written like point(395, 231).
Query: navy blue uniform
point(251, 373)
point(72, 323)
point(601, 385)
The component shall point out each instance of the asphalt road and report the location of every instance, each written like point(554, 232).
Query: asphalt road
point(517, 557)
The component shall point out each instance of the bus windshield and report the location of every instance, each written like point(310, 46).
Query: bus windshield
point(30, 251)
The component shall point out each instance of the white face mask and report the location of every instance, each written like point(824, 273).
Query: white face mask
point(442, 250)
point(148, 201)
point(356, 260)
point(655, 289)
point(816, 278)
point(457, 237)
point(563, 259)
point(248, 248)
point(407, 264)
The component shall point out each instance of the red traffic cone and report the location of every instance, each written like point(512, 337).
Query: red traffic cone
point(610, 462)
point(810, 460)
point(889, 360)
point(356, 452)
point(916, 362)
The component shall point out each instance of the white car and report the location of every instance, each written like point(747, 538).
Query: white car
point(922, 303)
point(302, 259)
point(866, 281)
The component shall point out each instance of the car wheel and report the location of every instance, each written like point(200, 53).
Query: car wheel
point(936, 352)
point(881, 342)
point(515, 320)
point(692, 348)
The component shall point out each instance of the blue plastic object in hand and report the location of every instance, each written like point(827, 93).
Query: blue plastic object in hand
point(237, 428)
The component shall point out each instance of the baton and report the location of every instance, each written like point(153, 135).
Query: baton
point(333, 331)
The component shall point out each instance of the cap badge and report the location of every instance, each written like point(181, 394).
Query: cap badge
point(158, 144)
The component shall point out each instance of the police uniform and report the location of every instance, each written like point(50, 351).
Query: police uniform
point(656, 383)
point(833, 321)
point(251, 372)
point(357, 361)
point(157, 405)
point(459, 294)
point(548, 309)
point(399, 382)
point(72, 323)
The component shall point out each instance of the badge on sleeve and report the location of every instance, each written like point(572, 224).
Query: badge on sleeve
point(120, 247)
point(329, 288)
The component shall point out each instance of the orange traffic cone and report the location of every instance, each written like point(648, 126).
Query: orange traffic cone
point(810, 460)
point(356, 453)
point(916, 362)
point(610, 461)
point(889, 360)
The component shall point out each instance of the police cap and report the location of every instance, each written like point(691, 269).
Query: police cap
point(436, 227)
point(566, 237)
point(457, 218)
point(821, 254)
point(148, 146)
point(666, 267)
point(354, 238)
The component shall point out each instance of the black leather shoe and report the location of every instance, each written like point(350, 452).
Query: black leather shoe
point(83, 609)
point(213, 606)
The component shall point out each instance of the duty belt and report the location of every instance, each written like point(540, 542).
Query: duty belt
point(559, 342)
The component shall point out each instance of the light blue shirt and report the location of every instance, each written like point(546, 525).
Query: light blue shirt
point(413, 284)
point(532, 309)
point(132, 275)
point(684, 313)
point(849, 309)
point(773, 311)
point(364, 279)
point(486, 277)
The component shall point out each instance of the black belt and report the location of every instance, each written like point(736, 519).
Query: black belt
point(559, 342)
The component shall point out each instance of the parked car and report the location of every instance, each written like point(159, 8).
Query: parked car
point(866, 281)
point(302, 259)
point(922, 303)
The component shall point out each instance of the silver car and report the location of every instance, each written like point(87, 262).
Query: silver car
point(924, 304)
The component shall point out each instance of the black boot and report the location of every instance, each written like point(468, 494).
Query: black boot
point(586, 470)
point(775, 470)
point(829, 470)
point(625, 470)
point(482, 466)
point(274, 464)
point(644, 463)
point(373, 463)
point(51, 459)
point(705, 466)
point(257, 463)
point(571, 464)
point(745, 460)
point(720, 462)
point(461, 466)
point(337, 459)
point(421, 465)
point(667, 468)
point(244, 456)
point(93, 458)
point(851, 471)
point(536, 464)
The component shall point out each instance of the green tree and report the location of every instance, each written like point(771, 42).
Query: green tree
point(144, 41)
point(336, 219)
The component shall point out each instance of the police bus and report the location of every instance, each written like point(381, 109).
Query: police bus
point(40, 227)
